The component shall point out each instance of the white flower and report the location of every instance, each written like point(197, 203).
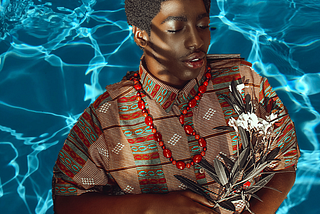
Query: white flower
point(250, 121)
point(239, 87)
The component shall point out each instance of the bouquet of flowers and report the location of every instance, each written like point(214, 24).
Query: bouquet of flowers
point(240, 177)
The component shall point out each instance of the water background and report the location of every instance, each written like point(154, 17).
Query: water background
point(57, 56)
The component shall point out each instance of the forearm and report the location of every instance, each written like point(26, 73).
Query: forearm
point(283, 181)
point(182, 202)
point(99, 203)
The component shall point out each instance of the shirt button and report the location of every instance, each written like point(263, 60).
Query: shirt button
point(201, 170)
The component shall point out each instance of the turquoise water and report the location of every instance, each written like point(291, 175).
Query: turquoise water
point(57, 57)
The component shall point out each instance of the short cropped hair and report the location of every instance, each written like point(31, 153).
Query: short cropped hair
point(141, 12)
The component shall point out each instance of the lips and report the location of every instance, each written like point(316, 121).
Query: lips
point(195, 60)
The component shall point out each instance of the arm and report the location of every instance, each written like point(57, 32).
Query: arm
point(272, 199)
point(174, 202)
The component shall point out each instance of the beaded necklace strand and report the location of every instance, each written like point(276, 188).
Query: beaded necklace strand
point(187, 128)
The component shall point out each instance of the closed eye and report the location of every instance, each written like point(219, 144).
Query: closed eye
point(174, 31)
point(204, 27)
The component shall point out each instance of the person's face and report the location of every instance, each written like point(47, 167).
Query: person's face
point(176, 50)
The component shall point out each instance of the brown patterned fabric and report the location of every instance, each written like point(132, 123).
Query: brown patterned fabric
point(111, 150)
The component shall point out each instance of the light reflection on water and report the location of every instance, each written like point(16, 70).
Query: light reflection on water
point(56, 58)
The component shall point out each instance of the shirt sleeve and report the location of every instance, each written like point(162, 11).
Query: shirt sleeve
point(268, 104)
point(81, 165)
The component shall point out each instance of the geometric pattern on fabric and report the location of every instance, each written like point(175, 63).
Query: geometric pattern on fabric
point(175, 138)
point(103, 152)
point(164, 97)
point(188, 120)
point(145, 162)
point(87, 181)
point(182, 186)
point(143, 147)
point(104, 108)
point(128, 189)
point(117, 148)
point(209, 114)
point(221, 86)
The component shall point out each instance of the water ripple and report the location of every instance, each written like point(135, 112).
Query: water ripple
point(56, 57)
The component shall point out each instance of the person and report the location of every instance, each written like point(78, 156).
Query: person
point(122, 154)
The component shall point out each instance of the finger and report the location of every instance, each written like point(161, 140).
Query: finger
point(198, 198)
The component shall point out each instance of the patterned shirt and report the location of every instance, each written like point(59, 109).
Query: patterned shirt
point(111, 150)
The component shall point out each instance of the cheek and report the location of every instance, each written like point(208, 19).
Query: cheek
point(207, 40)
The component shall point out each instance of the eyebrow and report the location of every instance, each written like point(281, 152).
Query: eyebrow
point(183, 18)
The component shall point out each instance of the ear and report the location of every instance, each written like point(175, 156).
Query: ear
point(141, 37)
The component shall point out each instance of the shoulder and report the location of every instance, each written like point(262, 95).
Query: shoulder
point(234, 65)
point(113, 92)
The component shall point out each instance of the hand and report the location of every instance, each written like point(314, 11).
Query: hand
point(184, 202)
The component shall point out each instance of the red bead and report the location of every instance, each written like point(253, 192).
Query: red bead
point(173, 162)
point(144, 110)
point(197, 97)
point(203, 153)
point(167, 153)
point(188, 108)
point(141, 104)
point(202, 89)
point(138, 98)
point(163, 147)
point(136, 74)
point(208, 75)
point(161, 143)
point(145, 114)
point(181, 165)
point(138, 86)
point(154, 130)
point(184, 111)
point(151, 127)
point(192, 163)
point(181, 119)
point(202, 142)
point(193, 133)
point(188, 129)
point(205, 83)
point(192, 103)
point(157, 136)
point(171, 159)
point(188, 165)
point(148, 120)
point(197, 158)
point(204, 148)
point(197, 136)
point(138, 94)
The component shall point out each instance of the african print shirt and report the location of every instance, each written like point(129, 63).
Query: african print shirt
point(111, 150)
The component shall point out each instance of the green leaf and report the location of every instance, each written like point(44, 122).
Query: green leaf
point(193, 186)
point(227, 205)
point(248, 103)
point(244, 137)
point(227, 160)
point(260, 184)
point(273, 154)
point(228, 128)
point(220, 170)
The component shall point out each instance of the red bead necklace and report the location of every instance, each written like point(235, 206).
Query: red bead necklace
point(187, 128)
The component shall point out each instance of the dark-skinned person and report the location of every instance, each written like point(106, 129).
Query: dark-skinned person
point(122, 154)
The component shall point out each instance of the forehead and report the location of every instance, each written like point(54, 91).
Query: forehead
point(181, 9)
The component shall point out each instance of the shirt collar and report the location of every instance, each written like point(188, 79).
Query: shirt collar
point(166, 96)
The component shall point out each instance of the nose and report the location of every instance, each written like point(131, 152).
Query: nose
point(194, 40)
